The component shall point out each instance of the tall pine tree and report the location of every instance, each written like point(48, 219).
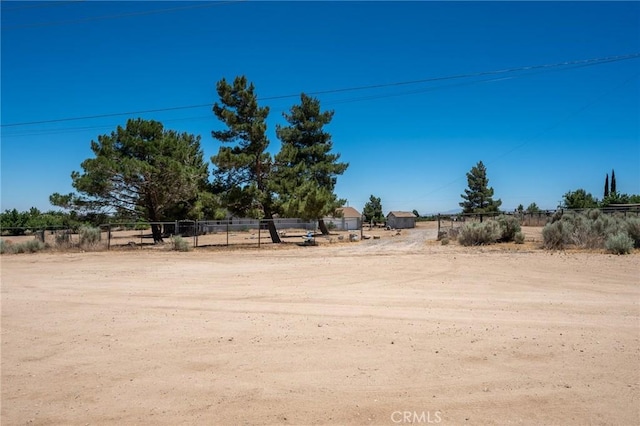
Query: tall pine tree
point(606, 186)
point(306, 170)
point(478, 197)
point(242, 171)
point(613, 182)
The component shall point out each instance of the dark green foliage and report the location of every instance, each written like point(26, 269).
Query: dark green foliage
point(618, 198)
point(520, 208)
point(141, 170)
point(416, 214)
point(13, 222)
point(579, 199)
point(533, 208)
point(614, 188)
point(509, 226)
point(242, 170)
point(479, 234)
point(372, 210)
point(478, 197)
point(606, 186)
point(306, 170)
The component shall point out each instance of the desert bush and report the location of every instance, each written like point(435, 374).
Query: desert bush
point(620, 243)
point(632, 226)
point(444, 241)
point(555, 235)
point(519, 237)
point(591, 230)
point(478, 234)
point(179, 244)
point(89, 236)
point(509, 226)
point(30, 246)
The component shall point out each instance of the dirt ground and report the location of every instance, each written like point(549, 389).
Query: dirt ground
point(385, 331)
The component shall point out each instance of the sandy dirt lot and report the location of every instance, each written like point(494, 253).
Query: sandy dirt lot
point(395, 330)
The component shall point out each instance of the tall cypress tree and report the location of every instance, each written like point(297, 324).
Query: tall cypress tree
point(606, 186)
point(306, 169)
point(478, 198)
point(242, 171)
point(613, 182)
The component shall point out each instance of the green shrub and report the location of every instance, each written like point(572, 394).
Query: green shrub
point(632, 226)
point(89, 236)
point(33, 246)
point(509, 226)
point(478, 234)
point(519, 237)
point(555, 235)
point(444, 241)
point(619, 243)
point(30, 246)
point(179, 244)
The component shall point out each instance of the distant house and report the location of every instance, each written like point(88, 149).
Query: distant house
point(351, 219)
point(401, 220)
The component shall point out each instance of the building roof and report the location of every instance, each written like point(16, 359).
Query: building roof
point(349, 212)
point(401, 214)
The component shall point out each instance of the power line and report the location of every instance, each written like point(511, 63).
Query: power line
point(121, 15)
point(507, 71)
point(539, 134)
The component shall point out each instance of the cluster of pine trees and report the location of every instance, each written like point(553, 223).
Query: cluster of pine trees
point(144, 171)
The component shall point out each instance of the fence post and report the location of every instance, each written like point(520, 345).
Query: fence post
point(227, 232)
point(109, 237)
point(438, 223)
point(195, 233)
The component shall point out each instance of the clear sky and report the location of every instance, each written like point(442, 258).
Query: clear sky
point(540, 131)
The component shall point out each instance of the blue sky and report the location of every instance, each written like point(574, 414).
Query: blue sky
point(541, 132)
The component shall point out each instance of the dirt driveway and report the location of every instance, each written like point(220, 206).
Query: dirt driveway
point(390, 331)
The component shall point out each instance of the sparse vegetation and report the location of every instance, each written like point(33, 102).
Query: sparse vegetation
point(591, 229)
point(89, 236)
point(179, 244)
point(479, 234)
point(509, 227)
point(620, 243)
point(30, 246)
point(518, 238)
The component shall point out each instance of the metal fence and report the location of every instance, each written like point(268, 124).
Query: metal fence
point(202, 233)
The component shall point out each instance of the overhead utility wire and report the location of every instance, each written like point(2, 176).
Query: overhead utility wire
point(583, 63)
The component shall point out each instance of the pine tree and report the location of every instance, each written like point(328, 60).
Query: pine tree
point(372, 210)
point(478, 198)
point(242, 171)
point(606, 186)
point(306, 170)
point(613, 182)
point(141, 171)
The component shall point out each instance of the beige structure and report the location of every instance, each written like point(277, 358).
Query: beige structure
point(350, 220)
point(401, 220)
